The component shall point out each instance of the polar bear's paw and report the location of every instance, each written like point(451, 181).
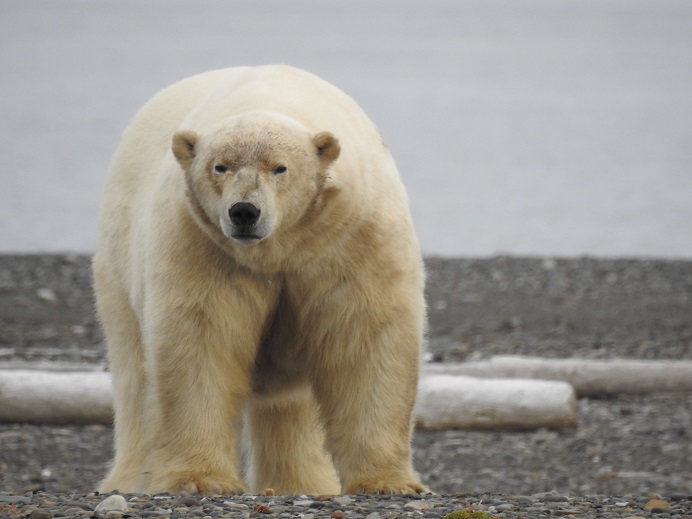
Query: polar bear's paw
point(386, 486)
point(198, 483)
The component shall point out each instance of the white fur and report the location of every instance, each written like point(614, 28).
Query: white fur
point(315, 328)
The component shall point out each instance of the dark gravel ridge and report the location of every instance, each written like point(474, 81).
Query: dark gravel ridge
point(634, 447)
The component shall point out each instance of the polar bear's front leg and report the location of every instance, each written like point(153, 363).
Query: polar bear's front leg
point(197, 405)
point(366, 402)
point(202, 353)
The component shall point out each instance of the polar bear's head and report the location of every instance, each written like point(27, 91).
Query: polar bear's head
point(255, 174)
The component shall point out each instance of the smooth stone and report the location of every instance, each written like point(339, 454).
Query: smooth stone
point(114, 503)
point(37, 513)
point(420, 504)
point(13, 500)
point(556, 498)
point(236, 506)
point(186, 501)
point(79, 504)
point(71, 510)
point(656, 504)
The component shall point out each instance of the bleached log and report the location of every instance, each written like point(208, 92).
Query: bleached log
point(55, 397)
point(461, 402)
point(588, 377)
point(444, 401)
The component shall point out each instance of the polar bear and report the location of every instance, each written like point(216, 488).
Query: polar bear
point(256, 263)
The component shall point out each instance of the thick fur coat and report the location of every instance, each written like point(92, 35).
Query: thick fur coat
point(257, 263)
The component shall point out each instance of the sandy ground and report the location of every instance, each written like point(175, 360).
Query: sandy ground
point(532, 127)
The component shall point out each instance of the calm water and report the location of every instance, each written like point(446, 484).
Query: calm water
point(530, 127)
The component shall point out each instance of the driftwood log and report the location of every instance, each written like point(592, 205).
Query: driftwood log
point(493, 394)
point(55, 397)
point(588, 377)
point(461, 402)
point(444, 401)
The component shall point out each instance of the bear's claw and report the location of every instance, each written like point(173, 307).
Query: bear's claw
point(199, 485)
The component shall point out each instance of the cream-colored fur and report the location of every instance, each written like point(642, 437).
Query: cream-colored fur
point(308, 321)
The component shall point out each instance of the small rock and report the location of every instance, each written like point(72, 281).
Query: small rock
point(656, 504)
point(113, 503)
point(261, 508)
point(37, 513)
point(550, 497)
point(420, 504)
point(47, 295)
point(302, 502)
point(373, 515)
point(14, 500)
point(236, 506)
point(338, 515)
point(186, 501)
point(69, 510)
point(343, 500)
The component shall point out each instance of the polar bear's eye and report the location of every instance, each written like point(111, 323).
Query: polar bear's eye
point(279, 169)
point(220, 168)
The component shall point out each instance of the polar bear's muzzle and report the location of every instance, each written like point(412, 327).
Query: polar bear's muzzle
point(243, 218)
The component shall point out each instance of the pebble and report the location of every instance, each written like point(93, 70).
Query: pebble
point(656, 504)
point(420, 504)
point(13, 500)
point(236, 506)
point(114, 503)
point(187, 501)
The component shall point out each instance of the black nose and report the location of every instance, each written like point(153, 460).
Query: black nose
point(243, 214)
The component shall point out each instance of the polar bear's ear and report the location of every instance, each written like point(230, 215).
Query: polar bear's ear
point(183, 147)
point(327, 145)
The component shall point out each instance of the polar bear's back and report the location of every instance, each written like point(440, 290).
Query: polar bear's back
point(200, 101)
point(317, 104)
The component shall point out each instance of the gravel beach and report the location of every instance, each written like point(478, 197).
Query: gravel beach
point(629, 456)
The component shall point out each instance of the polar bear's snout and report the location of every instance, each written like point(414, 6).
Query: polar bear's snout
point(244, 214)
point(244, 218)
